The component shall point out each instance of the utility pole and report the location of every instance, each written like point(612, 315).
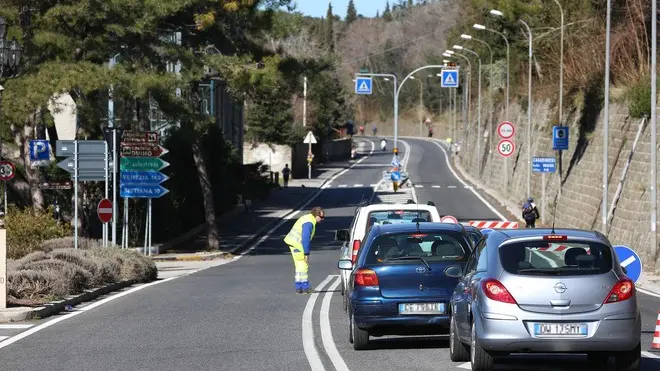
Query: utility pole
point(304, 101)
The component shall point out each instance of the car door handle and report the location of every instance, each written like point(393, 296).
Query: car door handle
point(560, 303)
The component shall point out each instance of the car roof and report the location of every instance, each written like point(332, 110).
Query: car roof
point(407, 207)
point(539, 232)
point(423, 226)
point(471, 228)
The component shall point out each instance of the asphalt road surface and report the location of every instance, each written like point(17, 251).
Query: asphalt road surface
point(245, 315)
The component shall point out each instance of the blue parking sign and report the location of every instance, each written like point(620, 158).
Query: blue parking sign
point(39, 150)
point(629, 260)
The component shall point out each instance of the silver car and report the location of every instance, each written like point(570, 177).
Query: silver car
point(545, 291)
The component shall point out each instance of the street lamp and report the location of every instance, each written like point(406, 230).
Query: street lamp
point(484, 28)
point(458, 47)
point(10, 51)
point(421, 104)
point(467, 94)
point(529, 112)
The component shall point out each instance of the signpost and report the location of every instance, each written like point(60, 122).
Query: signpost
point(309, 139)
point(104, 210)
point(56, 185)
point(505, 147)
point(543, 165)
point(140, 176)
point(7, 172)
point(630, 261)
point(506, 130)
point(363, 85)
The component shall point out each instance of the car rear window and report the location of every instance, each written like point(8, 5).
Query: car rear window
point(565, 258)
point(398, 216)
point(445, 246)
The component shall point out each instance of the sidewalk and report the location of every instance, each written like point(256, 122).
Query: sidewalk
point(240, 227)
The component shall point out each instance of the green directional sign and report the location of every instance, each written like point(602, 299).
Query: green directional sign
point(364, 70)
point(143, 163)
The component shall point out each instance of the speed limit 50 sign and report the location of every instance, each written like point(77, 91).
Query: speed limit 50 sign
point(7, 170)
point(505, 147)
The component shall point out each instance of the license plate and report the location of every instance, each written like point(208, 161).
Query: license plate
point(560, 329)
point(422, 308)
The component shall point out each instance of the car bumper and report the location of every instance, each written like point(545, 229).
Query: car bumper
point(385, 315)
point(517, 336)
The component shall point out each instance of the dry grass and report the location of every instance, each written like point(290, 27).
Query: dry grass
point(60, 271)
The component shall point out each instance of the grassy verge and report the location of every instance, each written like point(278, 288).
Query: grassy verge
point(58, 271)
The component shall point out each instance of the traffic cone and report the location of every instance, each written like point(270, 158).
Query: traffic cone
point(655, 344)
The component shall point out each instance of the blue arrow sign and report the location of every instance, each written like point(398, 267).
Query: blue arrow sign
point(143, 177)
point(39, 150)
point(629, 260)
point(449, 79)
point(142, 191)
point(363, 85)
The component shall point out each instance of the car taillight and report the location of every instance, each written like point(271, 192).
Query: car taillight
point(356, 247)
point(622, 290)
point(494, 290)
point(366, 277)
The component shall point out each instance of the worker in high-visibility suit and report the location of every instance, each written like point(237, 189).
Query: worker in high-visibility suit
point(299, 239)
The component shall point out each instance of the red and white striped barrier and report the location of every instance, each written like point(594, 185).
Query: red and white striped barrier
point(481, 224)
point(655, 345)
point(558, 247)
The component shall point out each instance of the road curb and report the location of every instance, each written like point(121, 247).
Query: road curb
point(56, 307)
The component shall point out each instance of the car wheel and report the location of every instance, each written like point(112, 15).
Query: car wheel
point(360, 337)
point(629, 360)
point(458, 352)
point(480, 360)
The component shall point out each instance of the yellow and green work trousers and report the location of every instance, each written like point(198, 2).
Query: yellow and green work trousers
point(301, 278)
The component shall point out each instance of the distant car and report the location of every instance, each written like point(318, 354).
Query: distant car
point(367, 216)
point(518, 295)
point(403, 279)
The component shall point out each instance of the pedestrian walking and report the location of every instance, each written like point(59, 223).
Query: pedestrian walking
point(285, 174)
point(299, 240)
point(530, 213)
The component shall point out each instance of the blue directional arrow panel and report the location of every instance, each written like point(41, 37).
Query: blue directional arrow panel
point(449, 78)
point(143, 177)
point(363, 85)
point(630, 261)
point(142, 191)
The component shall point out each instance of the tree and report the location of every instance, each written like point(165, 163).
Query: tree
point(351, 13)
point(387, 13)
point(329, 30)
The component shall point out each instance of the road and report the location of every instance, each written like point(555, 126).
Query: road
point(245, 315)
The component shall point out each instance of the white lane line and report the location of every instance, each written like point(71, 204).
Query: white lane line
point(466, 366)
point(451, 186)
point(358, 185)
point(483, 200)
point(326, 330)
point(373, 185)
point(15, 326)
point(647, 292)
point(419, 186)
point(342, 186)
point(3, 338)
point(308, 329)
point(406, 159)
point(650, 355)
point(435, 186)
point(467, 187)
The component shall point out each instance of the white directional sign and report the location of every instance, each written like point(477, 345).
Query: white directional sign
point(506, 130)
point(309, 139)
point(505, 147)
point(363, 85)
point(449, 78)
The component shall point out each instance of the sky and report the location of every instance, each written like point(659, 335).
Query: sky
point(318, 8)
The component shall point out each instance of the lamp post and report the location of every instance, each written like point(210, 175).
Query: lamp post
point(387, 76)
point(529, 112)
point(459, 47)
point(484, 28)
point(466, 93)
point(10, 57)
point(606, 119)
point(654, 148)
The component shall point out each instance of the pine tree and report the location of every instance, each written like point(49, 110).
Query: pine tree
point(410, 4)
point(377, 13)
point(351, 12)
point(329, 29)
point(387, 13)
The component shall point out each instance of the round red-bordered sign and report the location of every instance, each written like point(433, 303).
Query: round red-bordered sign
point(7, 170)
point(506, 130)
point(104, 210)
point(506, 147)
point(448, 219)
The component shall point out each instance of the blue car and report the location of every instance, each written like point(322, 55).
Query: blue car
point(403, 279)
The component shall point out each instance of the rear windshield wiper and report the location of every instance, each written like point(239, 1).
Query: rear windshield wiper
point(540, 270)
point(412, 258)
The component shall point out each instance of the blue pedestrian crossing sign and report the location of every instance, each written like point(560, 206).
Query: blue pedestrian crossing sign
point(449, 78)
point(630, 261)
point(363, 85)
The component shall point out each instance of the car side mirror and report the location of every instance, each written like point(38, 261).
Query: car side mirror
point(345, 264)
point(454, 271)
point(341, 235)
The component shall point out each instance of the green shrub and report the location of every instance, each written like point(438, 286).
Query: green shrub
point(28, 228)
point(639, 95)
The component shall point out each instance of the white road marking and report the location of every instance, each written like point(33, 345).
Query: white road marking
point(308, 329)
point(419, 186)
point(326, 330)
point(358, 185)
point(373, 185)
point(628, 261)
point(467, 187)
point(435, 186)
point(342, 186)
point(647, 292)
point(3, 338)
point(15, 326)
point(483, 200)
point(466, 366)
point(451, 186)
point(650, 355)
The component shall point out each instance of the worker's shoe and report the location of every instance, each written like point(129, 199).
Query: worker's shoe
point(299, 291)
point(308, 291)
